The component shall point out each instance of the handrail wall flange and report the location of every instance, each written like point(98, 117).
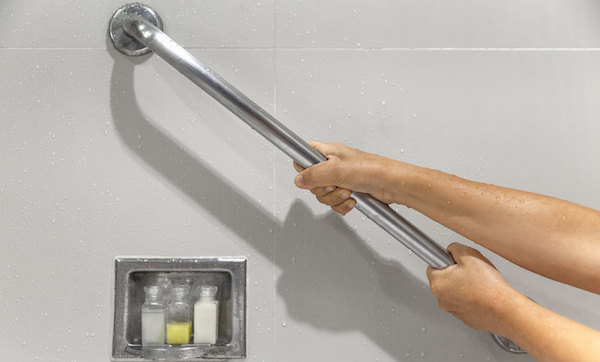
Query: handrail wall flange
point(124, 43)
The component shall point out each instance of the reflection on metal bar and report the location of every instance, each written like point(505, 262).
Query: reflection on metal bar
point(142, 24)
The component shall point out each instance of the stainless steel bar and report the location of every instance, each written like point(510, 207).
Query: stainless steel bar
point(146, 33)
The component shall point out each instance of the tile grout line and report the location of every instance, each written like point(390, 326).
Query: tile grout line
point(274, 155)
point(275, 48)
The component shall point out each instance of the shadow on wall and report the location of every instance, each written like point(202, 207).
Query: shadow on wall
point(335, 282)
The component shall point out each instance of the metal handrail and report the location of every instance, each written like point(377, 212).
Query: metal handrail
point(134, 23)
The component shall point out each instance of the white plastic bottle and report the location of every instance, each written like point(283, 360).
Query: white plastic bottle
point(206, 316)
point(153, 317)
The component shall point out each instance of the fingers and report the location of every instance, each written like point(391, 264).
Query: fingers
point(319, 175)
point(324, 173)
point(338, 198)
point(326, 149)
point(331, 195)
point(298, 167)
point(321, 178)
point(462, 254)
point(459, 249)
point(439, 278)
point(344, 207)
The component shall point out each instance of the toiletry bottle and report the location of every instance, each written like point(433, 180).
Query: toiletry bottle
point(179, 323)
point(153, 317)
point(206, 316)
point(164, 282)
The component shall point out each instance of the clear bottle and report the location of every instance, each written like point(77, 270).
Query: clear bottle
point(206, 316)
point(153, 317)
point(179, 323)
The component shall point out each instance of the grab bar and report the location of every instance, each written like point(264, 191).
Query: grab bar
point(139, 22)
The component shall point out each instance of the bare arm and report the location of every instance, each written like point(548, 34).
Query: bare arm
point(564, 237)
point(474, 292)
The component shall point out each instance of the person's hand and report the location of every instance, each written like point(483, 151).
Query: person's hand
point(346, 169)
point(472, 290)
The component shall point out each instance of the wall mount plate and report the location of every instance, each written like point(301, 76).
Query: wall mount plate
point(507, 345)
point(123, 42)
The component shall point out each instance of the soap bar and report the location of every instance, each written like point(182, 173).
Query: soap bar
point(178, 333)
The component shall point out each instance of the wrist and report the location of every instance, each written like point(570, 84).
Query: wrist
point(412, 185)
point(395, 179)
point(513, 312)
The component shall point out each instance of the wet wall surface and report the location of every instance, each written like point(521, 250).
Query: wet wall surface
point(105, 156)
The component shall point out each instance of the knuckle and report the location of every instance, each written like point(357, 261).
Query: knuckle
point(436, 290)
point(444, 307)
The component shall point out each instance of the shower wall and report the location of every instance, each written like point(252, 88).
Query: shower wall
point(104, 155)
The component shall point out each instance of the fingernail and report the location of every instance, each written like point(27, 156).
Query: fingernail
point(344, 196)
point(328, 188)
point(351, 205)
point(300, 181)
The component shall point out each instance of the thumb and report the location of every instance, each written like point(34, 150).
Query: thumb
point(326, 173)
point(318, 175)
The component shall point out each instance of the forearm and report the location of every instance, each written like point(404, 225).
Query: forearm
point(515, 224)
point(547, 336)
point(563, 237)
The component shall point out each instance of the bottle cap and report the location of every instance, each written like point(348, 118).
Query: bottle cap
point(180, 289)
point(208, 290)
point(153, 291)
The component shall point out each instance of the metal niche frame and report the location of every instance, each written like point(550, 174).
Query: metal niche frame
point(133, 274)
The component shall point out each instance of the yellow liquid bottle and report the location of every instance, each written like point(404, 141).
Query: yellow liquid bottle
point(178, 333)
point(179, 322)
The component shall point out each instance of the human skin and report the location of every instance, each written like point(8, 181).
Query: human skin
point(548, 236)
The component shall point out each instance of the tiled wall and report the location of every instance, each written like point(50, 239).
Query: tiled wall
point(104, 156)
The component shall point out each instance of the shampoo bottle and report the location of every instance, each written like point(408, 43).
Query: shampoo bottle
point(206, 316)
